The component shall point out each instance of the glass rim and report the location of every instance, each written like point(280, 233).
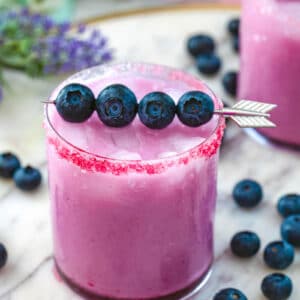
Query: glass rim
point(220, 124)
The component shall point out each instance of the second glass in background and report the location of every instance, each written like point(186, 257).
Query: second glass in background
point(270, 62)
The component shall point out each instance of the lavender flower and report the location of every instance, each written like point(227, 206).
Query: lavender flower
point(35, 19)
point(12, 15)
point(68, 54)
point(24, 11)
point(39, 45)
point(63, 28)
point(81, 28)
point(47, 24)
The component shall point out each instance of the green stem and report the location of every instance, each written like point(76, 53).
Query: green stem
point(14, 64)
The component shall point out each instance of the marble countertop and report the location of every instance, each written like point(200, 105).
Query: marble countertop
point(25, 219)
point(101, 7)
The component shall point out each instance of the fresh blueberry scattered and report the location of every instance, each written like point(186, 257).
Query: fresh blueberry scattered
point(3, 256)
point(27, 178)
point(116, 105)
point(245, 244)
point(234, 26)
point(230, 294)
point(277, 286)
point(236, 44)
point(200, 44)
point(195, 108)
point(208, 64)
point(290, 230)
point(279, 255)
point(9, 163)
point(289, 205)
point(229, 82)
point(247, 193)
point(157, 110)
point(75, 103)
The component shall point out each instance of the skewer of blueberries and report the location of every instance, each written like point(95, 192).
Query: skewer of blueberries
point(117, 106)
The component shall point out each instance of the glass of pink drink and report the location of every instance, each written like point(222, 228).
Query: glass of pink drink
point(133, 208)
point(270, 62)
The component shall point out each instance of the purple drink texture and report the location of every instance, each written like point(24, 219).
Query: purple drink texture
point(270, 62)
point(132, 207)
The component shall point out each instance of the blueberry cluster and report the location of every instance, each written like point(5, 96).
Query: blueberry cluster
point(229, 82)
point(234, 30)
point(117, 106)
point(289, 207)
point(230, 294)
point(277, 255)
point(3, 255)
point(202, 48)
point(247, 193)
point(26, 178)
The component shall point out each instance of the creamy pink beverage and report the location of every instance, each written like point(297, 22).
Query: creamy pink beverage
point(270, 62)
point(133, 207)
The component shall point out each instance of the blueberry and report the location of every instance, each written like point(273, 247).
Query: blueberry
point(200, 44)
point(157, 110)
point(290, 230)
point(279, 255)
point(208, 64)
point(245, 244)
point(229, 82)
point(116, 105)
point(236, 44)
point(3, 256)
point(27, 178)
point(234, 26)
point(230, 294)
point(75, 103)
point(289, 205)
point(195, 108)
point(277, 286)
point(247, 193)
point(9, 163)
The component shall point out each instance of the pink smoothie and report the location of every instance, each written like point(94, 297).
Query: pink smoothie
point(270, 62)
point(133, 208)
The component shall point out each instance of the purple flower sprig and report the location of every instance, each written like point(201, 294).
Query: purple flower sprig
point(39, 46)
point(63, 53)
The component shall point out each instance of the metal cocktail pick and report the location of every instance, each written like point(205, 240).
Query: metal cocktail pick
point(245, 113)
point(249, 114)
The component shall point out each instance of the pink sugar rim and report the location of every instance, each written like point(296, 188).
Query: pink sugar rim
point(97, 163)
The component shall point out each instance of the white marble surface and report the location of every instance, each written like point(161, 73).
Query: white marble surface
point(91, 8)
point(24, 217)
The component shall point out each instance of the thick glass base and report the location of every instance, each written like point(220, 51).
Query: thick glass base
point(184, 294)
